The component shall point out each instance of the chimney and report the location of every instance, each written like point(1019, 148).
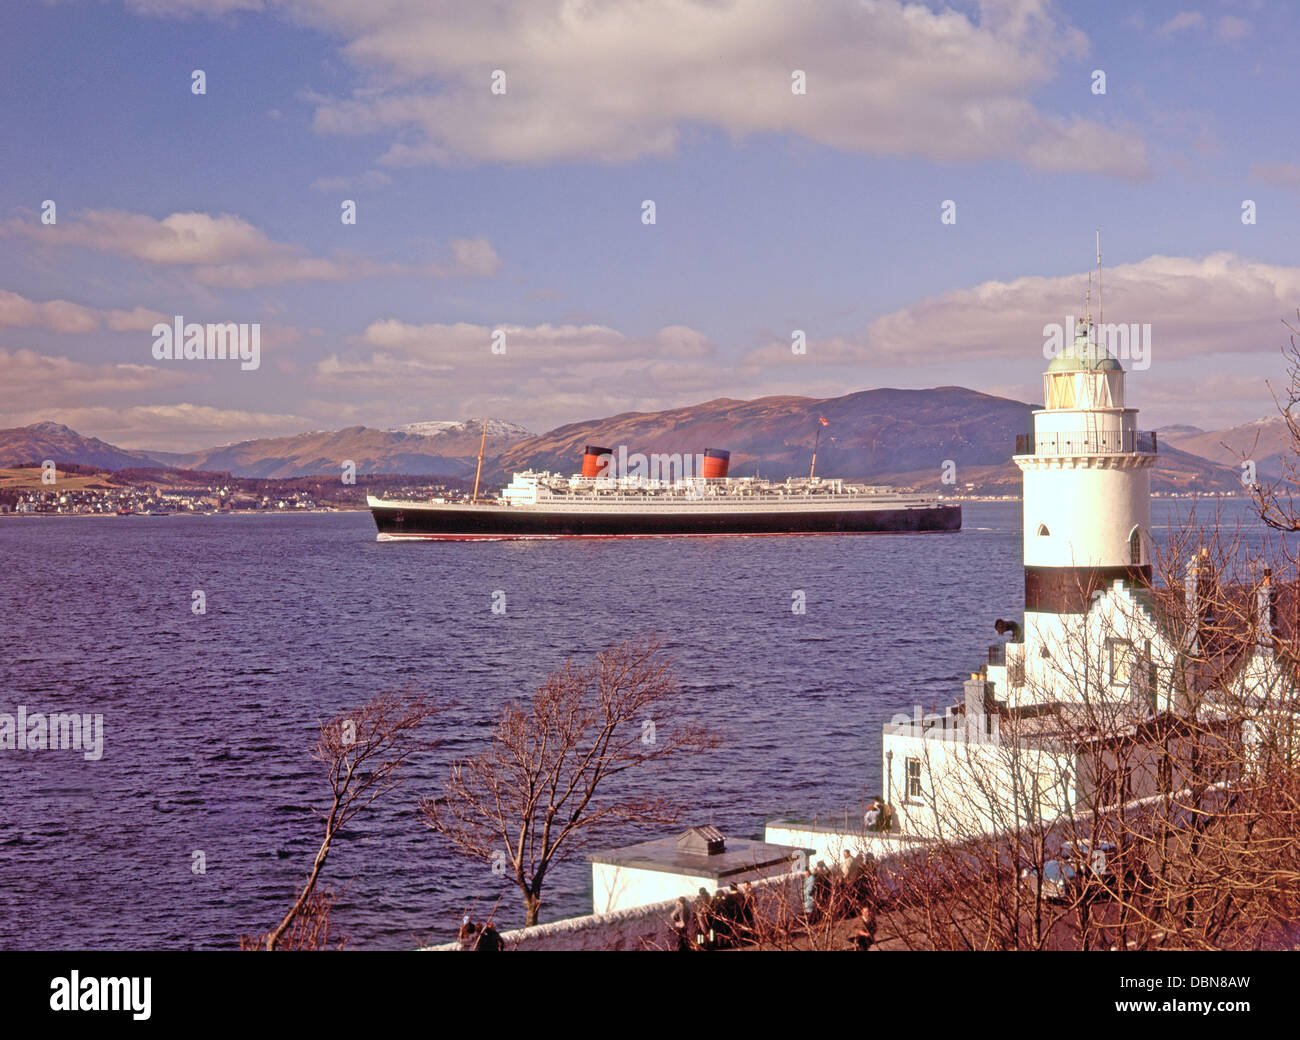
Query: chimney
point(1265, 610)
point(702, 841)
point(1200, 592)
point(716, 463)
point(979, 699)
point(595, 460)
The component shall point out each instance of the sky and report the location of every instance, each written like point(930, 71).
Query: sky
point(500, 154)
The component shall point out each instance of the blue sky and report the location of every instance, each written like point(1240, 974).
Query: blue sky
point(522, 211)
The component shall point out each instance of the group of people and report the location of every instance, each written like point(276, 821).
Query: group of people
point(878, 817)
point(715, 922)
point(479, 937)
point(846, 890)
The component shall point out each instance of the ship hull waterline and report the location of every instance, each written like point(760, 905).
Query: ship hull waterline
point(472, 523)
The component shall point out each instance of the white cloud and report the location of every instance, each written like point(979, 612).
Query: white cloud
point(1218, 304)
point(1287, 174)
point(1181, 21)
point(170, 427)
point(370, 180)
point(181, 238)
point(470, 258)
point(138, 319)
point(1231, 28)
point(465, 343)
point(27, 376)
point(182, 8)
point(227, 251)
point(618, 80)
point(56, 315)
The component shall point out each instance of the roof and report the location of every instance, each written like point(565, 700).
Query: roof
point(1228, 632)
point(1083, 355)
point(664, 854)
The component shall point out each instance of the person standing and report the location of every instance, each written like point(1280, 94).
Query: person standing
point(746, 912)
point(681, 922)
point(865, 934)
point(703, 919)
point(489, 939)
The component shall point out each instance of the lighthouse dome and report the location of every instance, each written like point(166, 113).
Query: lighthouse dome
point(1068, 361)
point(1083, 355)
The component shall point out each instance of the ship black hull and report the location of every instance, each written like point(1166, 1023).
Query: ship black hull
point(473, 523)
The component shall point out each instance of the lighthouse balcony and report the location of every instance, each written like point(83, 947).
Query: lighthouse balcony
point(1094, 442)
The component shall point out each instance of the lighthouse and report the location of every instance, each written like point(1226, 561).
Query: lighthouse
point(1087, 509)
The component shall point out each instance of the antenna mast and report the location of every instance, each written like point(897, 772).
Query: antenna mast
point(1099, 318)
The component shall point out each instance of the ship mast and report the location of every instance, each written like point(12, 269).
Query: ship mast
point(813, 468)
point(479, 468)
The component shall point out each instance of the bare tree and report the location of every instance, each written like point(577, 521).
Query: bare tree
point(364, 752)
point(1276, 501)
point(1162, 733)
point(545, 779)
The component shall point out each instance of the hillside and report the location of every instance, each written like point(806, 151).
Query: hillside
point(889, 436)
point(453, 452)
point(1266, 441)
point(50, 440)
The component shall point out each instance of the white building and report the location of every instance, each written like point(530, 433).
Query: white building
point(699, 858)
point(1103, 663)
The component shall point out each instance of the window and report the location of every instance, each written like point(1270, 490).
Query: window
point(1146, 679)
point(1119, 653)
point(1060, 390)
point(1042, 792)
point(913, 778)
point(1135, 547)
point(1116, 785)
point(1043, 532)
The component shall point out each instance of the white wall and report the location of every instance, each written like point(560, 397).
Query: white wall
point(829, 846)
point(1089, 506)
point(643, 927)
point(970, 788)
point(615, 888)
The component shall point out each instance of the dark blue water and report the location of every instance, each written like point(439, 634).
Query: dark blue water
point(210, 720)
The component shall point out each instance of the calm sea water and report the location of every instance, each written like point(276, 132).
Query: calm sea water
point(210, 720)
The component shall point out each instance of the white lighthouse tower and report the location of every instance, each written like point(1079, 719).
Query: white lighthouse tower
point(1087, 480)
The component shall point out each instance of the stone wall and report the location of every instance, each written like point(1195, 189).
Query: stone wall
point(637, 928)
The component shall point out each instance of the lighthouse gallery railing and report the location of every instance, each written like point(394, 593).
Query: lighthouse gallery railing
point(1099, 442)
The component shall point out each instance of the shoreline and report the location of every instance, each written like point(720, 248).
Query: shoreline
point(146, 516)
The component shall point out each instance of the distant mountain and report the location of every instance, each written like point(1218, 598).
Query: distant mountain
point(452, 452)
point(50, 440)
point(1266, 441)
point(889, 436)
point(498, 429)
point(1168, 432)
point(868, 433)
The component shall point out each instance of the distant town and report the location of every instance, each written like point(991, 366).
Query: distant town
point(87, 491)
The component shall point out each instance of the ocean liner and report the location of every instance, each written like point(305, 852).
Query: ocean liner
point(597, 505)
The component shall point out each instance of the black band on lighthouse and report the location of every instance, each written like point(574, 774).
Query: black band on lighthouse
point(1068, 590)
